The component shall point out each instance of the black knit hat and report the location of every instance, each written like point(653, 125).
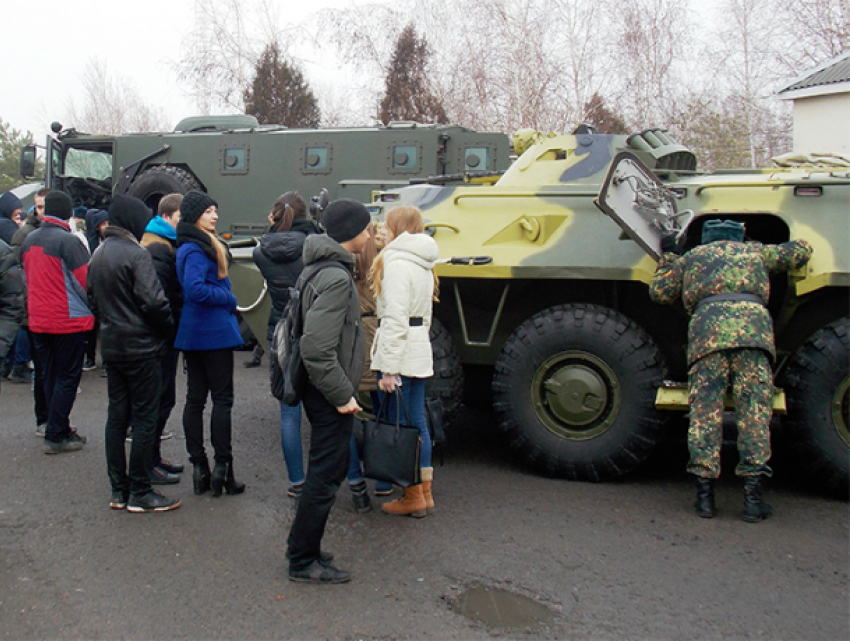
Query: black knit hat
point(130, 213)
point(344, 219)
point(58, 204)
point(194, 204)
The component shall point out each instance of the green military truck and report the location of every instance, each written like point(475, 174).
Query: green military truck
point(245, 166)
point(544, 301)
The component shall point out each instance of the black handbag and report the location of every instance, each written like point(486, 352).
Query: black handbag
point(391, 449)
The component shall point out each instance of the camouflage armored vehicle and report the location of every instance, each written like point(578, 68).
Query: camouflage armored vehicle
point(246, 166)
point(544, 300)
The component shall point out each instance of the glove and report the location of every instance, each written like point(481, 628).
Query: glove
point(671, 242)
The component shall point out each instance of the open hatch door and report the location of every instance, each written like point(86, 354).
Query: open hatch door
point(640, 204)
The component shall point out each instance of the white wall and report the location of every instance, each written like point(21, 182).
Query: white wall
point(822, 124)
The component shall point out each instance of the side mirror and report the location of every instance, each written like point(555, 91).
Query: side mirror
point(28, 155)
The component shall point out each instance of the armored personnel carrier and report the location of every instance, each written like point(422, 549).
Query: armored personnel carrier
point(544, 300)
point(245, 166)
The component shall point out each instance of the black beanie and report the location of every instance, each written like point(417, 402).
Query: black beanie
point(130, 213)
point(344, 219)
point(194, 204)
point(58, 204)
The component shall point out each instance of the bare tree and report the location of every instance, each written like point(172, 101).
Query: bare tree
point(112, 105)
point(815, 31)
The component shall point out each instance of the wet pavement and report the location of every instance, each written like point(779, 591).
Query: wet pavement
point(508, 553)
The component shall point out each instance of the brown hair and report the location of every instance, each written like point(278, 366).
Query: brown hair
point(41, 193)
point(286, 208)
point(220, 251)
point(168, 204)
point(404, 218)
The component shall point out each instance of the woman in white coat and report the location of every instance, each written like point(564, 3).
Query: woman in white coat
point(405, 287)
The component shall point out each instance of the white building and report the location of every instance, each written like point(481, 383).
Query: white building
point(821, 109)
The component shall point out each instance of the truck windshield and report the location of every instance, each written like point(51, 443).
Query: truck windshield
point(87, 163)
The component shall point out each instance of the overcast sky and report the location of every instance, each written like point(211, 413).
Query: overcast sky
point(47, 43)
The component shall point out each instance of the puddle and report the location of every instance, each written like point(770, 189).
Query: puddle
point(498, 608)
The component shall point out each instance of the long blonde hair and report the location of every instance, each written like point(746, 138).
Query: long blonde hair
point(404, 218)
point(221, 257)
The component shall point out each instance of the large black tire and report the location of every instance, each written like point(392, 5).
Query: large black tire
point(817, 385)
point(447, 382)
point(575, 390)
point(154, 183)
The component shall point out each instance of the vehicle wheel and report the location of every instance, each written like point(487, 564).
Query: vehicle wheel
point(447, 382)
point(154, 183)
point(817, 385)
point(575, 390)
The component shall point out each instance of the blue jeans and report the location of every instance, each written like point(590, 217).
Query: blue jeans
point(290, 442)
point(413, 392)
point(19, 353)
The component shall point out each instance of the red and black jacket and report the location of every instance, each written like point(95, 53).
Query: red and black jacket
point(55, 266)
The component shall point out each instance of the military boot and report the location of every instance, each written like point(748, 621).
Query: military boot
point(755, 509)
point(704, 505)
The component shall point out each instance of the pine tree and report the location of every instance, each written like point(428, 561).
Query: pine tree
point(11, 141)
point(408, 95)
point(279, 94)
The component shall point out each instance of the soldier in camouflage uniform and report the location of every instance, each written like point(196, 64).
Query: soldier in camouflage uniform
point(724, 285)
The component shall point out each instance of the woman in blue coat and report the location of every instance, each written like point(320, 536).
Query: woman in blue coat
point(207, 334)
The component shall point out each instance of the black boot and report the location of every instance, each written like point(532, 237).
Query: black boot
point(201, 476)
point(704, 505)
point(755, 509)
point(231, 485)
point(219, 473)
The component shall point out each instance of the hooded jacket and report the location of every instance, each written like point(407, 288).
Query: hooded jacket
point(9, 202)
point(160, 239)
point(11, 297)
point(332, 346)
point(124, 291)
point(55, 268)
point(208, 321)
point(406, 292)
point(279, 259)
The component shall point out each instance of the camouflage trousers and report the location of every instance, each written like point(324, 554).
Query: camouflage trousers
point(747, 372)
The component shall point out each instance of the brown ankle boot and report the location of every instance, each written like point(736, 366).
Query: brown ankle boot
point(427, 477)
point(411, 503)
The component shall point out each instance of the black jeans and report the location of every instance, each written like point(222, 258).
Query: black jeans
point(209, 372)
point(168, 396)
point(328, 464)
point(133, 389)
point(61, 358)
point(40, 403)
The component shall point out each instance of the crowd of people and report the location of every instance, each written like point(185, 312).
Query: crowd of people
point(148, 287)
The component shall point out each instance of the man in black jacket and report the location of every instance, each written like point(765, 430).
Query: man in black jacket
point(160, 240)
point(333, 350)
point(136, 324)
point(11, 297)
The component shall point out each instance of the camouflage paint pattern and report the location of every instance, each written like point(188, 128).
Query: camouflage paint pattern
point(726, 267)
point(747, 372)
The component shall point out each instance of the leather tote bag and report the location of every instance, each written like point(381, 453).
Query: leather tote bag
point(390, 448)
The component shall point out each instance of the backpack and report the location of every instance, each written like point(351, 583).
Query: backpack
point(288, 374)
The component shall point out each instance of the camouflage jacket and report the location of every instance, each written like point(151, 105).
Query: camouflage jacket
point(726, 267)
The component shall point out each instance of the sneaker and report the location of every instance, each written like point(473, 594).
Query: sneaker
point(254, 361)
point(360, 496)
point(62, 446)
point(159, 476)
point(166, 435)
point(89, 364)
point(168, 466)
point(318, 572)
point(153, 501)
point(77, 438)
point(295, 491)
point(119, 500)
point(40, 430)
point(20, 375)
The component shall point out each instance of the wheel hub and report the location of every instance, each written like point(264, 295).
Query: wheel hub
point(841, 410)
point(576, 395)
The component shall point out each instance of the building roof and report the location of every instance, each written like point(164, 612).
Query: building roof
point(832, 76)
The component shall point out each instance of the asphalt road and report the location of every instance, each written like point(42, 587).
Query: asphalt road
point(621, 560)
